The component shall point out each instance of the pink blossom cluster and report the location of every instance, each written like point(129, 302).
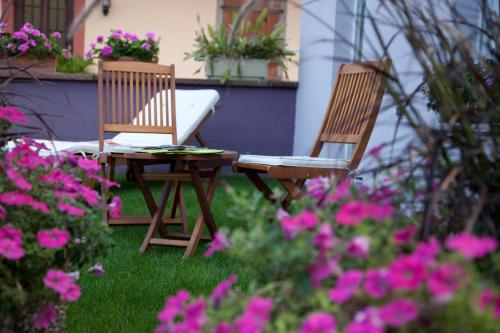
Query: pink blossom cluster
point(29, 37)
point(179, 315)
point(489, 301)
point(63, 284)
point(11, 243)
point(127, 40)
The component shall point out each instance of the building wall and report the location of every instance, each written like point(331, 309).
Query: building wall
point(175, 21)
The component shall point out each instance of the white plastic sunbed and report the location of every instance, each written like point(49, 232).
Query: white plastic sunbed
point(192, 108)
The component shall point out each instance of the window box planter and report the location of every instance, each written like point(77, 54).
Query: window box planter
point(29, 64)
point(244, 68)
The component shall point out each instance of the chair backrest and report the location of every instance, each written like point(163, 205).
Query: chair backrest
point(129, 98)
point(353, 107)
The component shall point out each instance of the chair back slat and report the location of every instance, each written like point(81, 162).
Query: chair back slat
point(353, 107)
point(134, 97)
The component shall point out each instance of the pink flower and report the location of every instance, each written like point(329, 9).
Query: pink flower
point(255, 316)
point(11, 233)
point(219, 243)
point(359, 247)
point(146, 46)
point(23, 47)
point(56, 35)
point(363, 327)
point(342, 191)
point(16, 199)
point(195, 317)
point(13, 115)
point(486, 299)
point(324, 239)
point(18, 180)
point(10, 249)
point(321, 322)
point(151, 36)
point(115, 208)
point(44, 317)
point(3, 213)
point(88, 54)
point(444, 280)
point(130, 36)
point(58, 281)
point(117, 34)
point(380, 212)
point(66, 53)
point(404, 236)
point(88, 165)
point(428, 251)
point(322, 269)
point(399, 312)
point(366, 321)
point(72, 294)
point(470, 246)
point(294, 224)
point(317, 187)
point(351, 213)
point(375, 151)
point(174, 306)
point(100, 38)
point(52, 239)
point(107, 50)
point(406, 273)
point(97, 269)
point(70, 210)
point(223, 328)
point(90, 196)
point(346, 286)
point(222, 290)
point(376, 284)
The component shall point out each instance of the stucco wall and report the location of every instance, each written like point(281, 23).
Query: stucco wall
point(175, 21)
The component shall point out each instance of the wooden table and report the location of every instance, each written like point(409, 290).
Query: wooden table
point(183, 168)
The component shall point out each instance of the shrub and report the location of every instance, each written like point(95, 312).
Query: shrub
point(125, 44)
point(73, 64)
point(51, 226)
point(346, 261)
point(29, 41)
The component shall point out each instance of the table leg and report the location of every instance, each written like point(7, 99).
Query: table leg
point(205, 216)
point(146, 191)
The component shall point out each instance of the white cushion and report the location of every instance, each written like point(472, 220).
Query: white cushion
point(53, 147)
point(296, 161)
point(192, 106)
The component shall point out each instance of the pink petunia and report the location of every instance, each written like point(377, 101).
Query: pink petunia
point(376, 283)
point(12, 233)
point(342, 191)
point(363, 327)
point(16, 199)
point(223, 328)
point(219, 243)
point(359, 247)
point(404, 236)
point(11, 250)
point(352, 213)
point(375, 151)
point(19, 181)
point(445, 279)
point(56, 35)
point(146, 46)
point(222, 290)
point(195, 317)
point(107, 50)
point(115, 208)
point(71, 294)
point(174, 306)
point(294, 224)
point(100, 38)
point(318, 187)
point(366, 321)
point(13, 115)
point(322, 269)
point(470, 246)
point(347, 285)
point(58, 281)
point(44, 317)
point(3, 213)
point(325, 239)
point(70, 209)
point(406, 273)
point(380, 212)
point(88, 165)
point(399, 312)
point(321, 322)
point(427, 251)
point(53, 239)
point(255, 317)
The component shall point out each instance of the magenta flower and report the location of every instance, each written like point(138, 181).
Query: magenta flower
point(117, 34)
point(97, 269)
point(366, 321)
point(444, 280)
point(100, 39)
point(107, 50)
point(18, 180)
point(488, 300)
point(255, 316)
point(146, 46)
point(92, 46)
point(399, 312)
point(58, 281)
point(427, 252)
point(174, 306)
point(16, 199)
point(23, 47)
point(363, 327)
point(359, 247)
point(88, 165)
point(321, 322)
point(53, 239)
point(292, 225)
point(222, 290)
point(44, 317)
point(342, 191)
point(13, 115)
point(151, 36)
point(11, 233)
point(21, 35)
point(223, 328)
point(376, 283)
point(346, 287)
point(404, 236)
point(317, 187)
point(322, 269)
point(70, 209)
point(131, 36)
point(194, 318)
point(3, 213)
point(406, 273)
point(325, 239)
point(375, 151)
point(352, 213)
point(219, 243)
point(10, 249)
point(71, 294)
point(115, 207)
point(470, 246)
point(90, 196)
point(56, 35)
point(88, 54)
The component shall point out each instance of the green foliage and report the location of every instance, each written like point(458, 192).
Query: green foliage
point(74, 64)
point(119, 44)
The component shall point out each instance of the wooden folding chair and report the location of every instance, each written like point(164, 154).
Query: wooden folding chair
point(350, 118)
point(125, 92)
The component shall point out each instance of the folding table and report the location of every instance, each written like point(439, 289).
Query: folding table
point(183, 168)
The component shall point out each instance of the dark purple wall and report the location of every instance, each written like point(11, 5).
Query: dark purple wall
point(252, 119)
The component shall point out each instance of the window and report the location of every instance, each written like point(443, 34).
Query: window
point(46, 15)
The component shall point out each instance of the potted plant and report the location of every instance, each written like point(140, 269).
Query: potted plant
point(30, 49)
point(245, 55)
point(125, 46)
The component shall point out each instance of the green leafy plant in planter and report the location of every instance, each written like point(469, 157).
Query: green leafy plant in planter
point(72, 64)
point(126, 45)
point(250, 43)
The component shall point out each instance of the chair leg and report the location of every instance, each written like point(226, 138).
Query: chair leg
point(293, 189)
point(146, 191)
point(261, 186)
point(112, 167)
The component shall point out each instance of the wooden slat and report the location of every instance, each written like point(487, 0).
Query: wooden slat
point(339, 138)
point(172, 107)
point(169, 242)
point(148, 100)
point(160, 81)
point(141, 220)
point(167, 100)
point(136, 66)
point(125, 98)
point(137, 97)
point(119, 79)
point(143, 100)
point(131, 97)
point(113, 98)
point(137, 129)
point(155, 78)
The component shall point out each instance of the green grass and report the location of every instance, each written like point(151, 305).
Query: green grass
point(133, 290)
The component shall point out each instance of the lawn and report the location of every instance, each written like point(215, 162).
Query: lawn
point(133, 290)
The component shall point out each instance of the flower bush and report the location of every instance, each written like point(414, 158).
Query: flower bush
point(29, 41)
point(51, 225)
point(346, 261)
point(125, 44)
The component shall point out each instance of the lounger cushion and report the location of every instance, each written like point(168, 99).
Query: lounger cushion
point(295, 161)
point(192, 106)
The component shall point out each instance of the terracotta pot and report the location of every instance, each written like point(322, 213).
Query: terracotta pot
point(30, 64)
